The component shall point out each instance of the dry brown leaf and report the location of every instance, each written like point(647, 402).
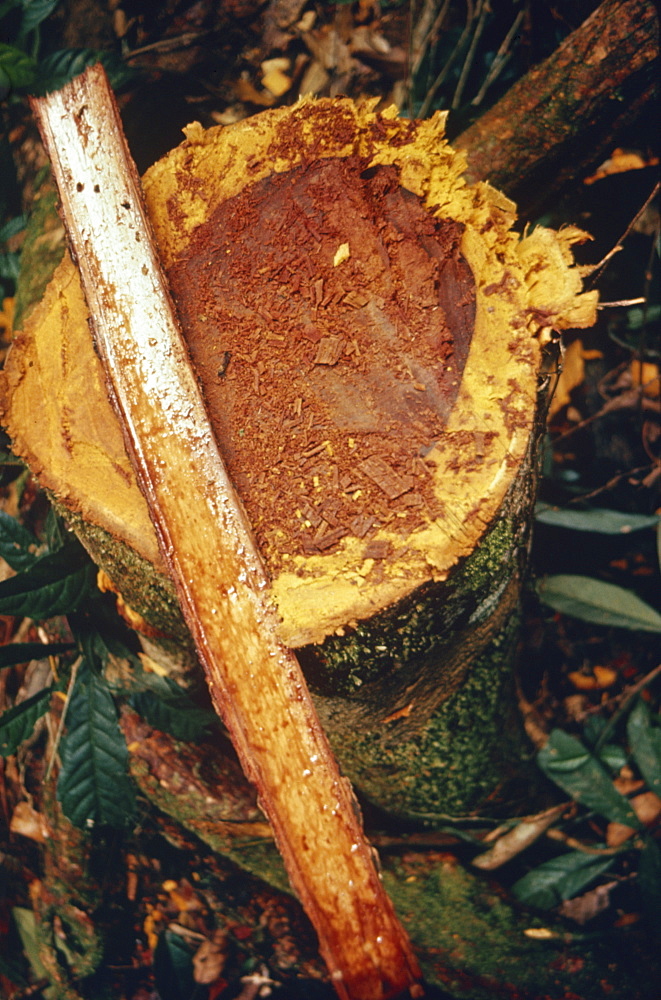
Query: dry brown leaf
point(210, 958)
point(29, 823)
point(589, 905)
point(314, 79)
point(7, 318)
point(248, 92)
point(275, 76)
point(619, 162)
point(518, 839)
point(618, 833)
point(645, 374)
point(626, 782)
point(571, 376)
point(599, 679)
point(647, 807)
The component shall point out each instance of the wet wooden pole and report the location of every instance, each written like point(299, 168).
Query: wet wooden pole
point(256, 683)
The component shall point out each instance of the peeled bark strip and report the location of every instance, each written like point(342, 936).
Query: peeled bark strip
point(206, 541)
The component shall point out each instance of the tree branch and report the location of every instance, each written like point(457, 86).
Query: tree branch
point(255, 682)
point(566, 112)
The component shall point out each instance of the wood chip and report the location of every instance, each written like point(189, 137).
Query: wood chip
point(331, 538)
point(361, 525)
point(377, 549)
point(413, 500)
point(356, 299)
point(321, 531)
point(309, 452)
point(329, 351)
point(385, 477)
point(311, 515)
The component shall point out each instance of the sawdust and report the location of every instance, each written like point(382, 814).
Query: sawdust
point(329, 317)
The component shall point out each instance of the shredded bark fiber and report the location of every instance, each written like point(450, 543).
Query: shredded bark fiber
point(328, 379)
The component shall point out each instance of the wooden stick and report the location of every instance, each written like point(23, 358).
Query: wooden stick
point(255, 682)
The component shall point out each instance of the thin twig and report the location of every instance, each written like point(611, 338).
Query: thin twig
point(482, 12)
point(596, 270)
point(500, 61)
point(610, 484)
point(58, 734)
point(168, 44)
point(622, 302)
point(440, 79)
point(578, 845)
point(625, 401)
point(628, 696)
point(418, 49)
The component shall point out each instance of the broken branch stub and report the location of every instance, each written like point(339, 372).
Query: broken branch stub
point(255, 681)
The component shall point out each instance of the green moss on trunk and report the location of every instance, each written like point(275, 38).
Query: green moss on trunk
point(460, 757)
point(477, 946)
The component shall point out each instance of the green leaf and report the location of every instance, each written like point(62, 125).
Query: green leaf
point(100, 638)
point(10, 266)
point(600, 519)
point(7, 5)
point(12, 227)
point(597, 602)
point(18, 546)
point(17, 723)
point(560, 878)
point(567, 762)
point(173, 967)
point(56, 532)
point(34, 12)
point(167, 708)
point(94, 786)
point(55, 584)
point(23, 652)
point(26, 924)
point(614, 757)
point(16, 69)
point(645, 742)
point(61, 66)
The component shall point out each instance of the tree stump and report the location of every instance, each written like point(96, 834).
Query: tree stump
point(365, 327)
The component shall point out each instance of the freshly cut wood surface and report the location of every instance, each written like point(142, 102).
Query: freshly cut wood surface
point(205, 540)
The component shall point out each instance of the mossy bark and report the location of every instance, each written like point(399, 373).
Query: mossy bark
point(477, 945)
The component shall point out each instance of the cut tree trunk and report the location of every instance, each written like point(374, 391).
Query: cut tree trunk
point(365, 328)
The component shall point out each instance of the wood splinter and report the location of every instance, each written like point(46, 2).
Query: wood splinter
point(256, 683)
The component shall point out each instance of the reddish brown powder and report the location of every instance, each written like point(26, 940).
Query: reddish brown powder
point(327, 384)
